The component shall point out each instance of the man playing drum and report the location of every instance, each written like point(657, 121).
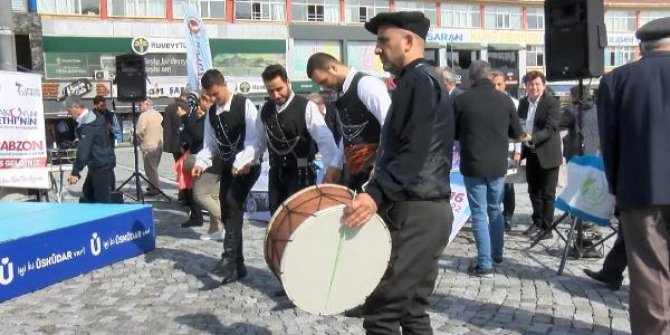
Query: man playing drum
point(361, 110)
point(232, 129)
point(410, 187)
point(294, 129)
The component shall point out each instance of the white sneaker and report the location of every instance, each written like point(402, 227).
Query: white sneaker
point(216, 236)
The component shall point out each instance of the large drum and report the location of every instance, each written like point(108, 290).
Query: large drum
point(324, 266)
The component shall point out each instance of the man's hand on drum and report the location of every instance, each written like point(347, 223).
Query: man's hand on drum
point(360, 210)
point(244, 170)
point(332, 176)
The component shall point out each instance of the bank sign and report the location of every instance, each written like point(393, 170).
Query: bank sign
point(147, 45)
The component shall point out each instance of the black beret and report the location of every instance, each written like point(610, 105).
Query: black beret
point(415, 22)
point(654, 30)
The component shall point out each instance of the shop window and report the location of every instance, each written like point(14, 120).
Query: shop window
point(364, 10)
point(20, 6)
point(460, 16)
point(208, 9)
point(69, 7)
point(266, 10)
point(136, 8)
point(503, 17)
point(316, 10)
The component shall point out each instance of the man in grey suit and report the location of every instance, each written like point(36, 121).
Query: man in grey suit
point(634, 119)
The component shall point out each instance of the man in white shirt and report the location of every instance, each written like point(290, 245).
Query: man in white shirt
point(294, 129)
point(509, 201)
point(361, 109)
point(542, 151)
point(232, 131)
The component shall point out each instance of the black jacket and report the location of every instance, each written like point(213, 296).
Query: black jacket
point(172, 126)
point(485, 121)
point(634, 120)
point(546, 139)
point(95, 148)
point(193, 133)
point(414, 159)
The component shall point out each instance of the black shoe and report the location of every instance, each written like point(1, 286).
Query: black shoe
point(279, 293)
point(541, 236)
point(532, 230)
point(476, 270)
point(190, 223)
point(226, 271)
point(508, 224)
point(613, 285)
point(356, 312)
point(241, 270)
point(497, 260)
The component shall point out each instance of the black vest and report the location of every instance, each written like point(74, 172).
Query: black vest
point(359, 125)
point(229, 128)
point(290, 144)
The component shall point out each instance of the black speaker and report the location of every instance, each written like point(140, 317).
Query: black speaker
point(575, 38)
point(131, 82)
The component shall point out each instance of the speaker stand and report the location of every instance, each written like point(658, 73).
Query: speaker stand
point(137, 175)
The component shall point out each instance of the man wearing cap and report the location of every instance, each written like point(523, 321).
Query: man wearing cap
point(634, 118)
point(410, 185)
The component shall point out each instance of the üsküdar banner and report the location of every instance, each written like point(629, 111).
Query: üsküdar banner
point(23, 148)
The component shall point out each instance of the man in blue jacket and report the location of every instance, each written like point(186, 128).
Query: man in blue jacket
point(634, 118)
point(95, 149)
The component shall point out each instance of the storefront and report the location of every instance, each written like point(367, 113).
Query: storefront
point(85, 66)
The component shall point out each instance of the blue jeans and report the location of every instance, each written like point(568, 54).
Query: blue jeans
point(484, 197)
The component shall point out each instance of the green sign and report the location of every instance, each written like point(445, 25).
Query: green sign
point(305, 87)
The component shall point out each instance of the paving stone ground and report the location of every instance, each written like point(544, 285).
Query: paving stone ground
point(168, 291)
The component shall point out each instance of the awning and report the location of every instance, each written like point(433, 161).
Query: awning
point(54, 109)
point(505, 47)
point(461, 46)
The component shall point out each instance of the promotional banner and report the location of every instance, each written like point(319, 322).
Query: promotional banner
point(198, 54)
point(586, 194)
point(43, 243)
point(23, 149)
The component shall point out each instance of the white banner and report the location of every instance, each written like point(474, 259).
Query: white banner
point(23, 148)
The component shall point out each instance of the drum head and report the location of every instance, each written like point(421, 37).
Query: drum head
point(328, 268)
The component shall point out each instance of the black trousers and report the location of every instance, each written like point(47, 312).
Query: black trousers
point(97, 185)
point(195, 208)
point(509, 201)
point(541, 190)
point(233, 192)
point(615, 262)
point(419, 233)
point(283, 183)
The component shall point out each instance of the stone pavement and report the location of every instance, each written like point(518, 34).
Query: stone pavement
point(167, 291)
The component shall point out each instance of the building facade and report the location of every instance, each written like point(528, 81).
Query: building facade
point(73, 42)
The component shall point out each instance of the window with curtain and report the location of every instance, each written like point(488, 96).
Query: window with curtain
point(364, 10)
point(648, 15)
point(620, 20)
point(316, 10)
point(503, 17)
point(617, 56)
point(266, 10)
point(535, 18)
point(136, 8)
point(429, 8)
point(460, 16)
point(535, 55)
point(208, 9)
point(68, 7)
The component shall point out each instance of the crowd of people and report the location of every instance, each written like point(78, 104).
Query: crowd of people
point(395, 151)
